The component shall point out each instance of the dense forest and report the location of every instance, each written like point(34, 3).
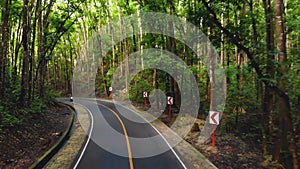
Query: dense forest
point(257, 42)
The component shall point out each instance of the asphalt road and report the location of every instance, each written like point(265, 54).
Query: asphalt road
point(115, 140)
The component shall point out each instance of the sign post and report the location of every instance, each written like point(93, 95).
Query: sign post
point(213, 137)
point(145, 95)
point(170, 103)
point(110, 92)
point(214, 119)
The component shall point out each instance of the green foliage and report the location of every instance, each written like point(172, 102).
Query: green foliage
point(144, 84)
point(109, 74)
point(241, 94)
point(8, 119)
point(36, 107)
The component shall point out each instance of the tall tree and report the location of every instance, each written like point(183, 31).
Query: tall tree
point(172, 48)
point(25, 40)
point(5, 19)
point(286, 129)
point(268, 99)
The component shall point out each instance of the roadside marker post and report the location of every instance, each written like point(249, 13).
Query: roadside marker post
point(214, 119)
point(170, 103)
point(110, 92)
point(145, 95)
point(213, 137)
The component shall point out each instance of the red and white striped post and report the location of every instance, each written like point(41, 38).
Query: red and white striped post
point(170, 103)
point(110, 92)
point(145, 95)
point(214, 119)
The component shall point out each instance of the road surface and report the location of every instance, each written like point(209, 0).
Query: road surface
point(95, 156)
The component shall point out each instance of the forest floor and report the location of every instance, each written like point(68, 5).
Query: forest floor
point(22, 145)
point(230, 152)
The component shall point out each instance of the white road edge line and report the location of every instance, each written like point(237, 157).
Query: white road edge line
point(172, 149)
point(89, 136)
point(174, 152)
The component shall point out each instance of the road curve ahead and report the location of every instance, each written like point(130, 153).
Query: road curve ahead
point(110, 146)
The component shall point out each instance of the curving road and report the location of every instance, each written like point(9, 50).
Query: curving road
point(95, 156)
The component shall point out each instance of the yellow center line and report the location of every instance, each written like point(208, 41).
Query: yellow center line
point(126, 135)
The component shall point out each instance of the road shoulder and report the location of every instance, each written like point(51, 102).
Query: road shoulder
point(69, 153)
point(191, 157)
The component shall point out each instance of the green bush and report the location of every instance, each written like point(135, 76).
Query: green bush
point(8, 119)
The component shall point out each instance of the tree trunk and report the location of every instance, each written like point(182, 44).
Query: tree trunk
point(86, 50)
point(71, 65)
point(286, 124)
point(43, 24)
point(109, 16)
point(40, 47)
point(4, 45)
point(268, 99)
point(32, 53)
point(141, 36)
point(16, 52)
point(25, 37)
point(155, 86)
point(172, 48)
point(102, 62)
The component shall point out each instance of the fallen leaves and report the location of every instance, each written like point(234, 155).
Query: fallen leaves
point(22, 145)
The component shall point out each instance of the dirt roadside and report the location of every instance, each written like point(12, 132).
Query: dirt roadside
point(68, 154)
point(23, 144)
